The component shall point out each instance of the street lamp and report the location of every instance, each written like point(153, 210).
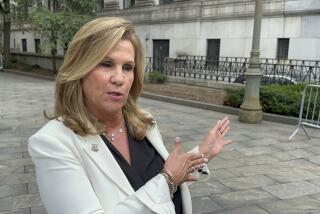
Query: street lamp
point(250, 110)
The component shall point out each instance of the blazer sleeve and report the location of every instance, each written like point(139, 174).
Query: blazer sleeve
point(65, 188)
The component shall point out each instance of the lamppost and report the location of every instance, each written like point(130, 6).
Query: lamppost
point(250, 110)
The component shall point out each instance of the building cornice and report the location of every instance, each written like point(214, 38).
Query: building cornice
point(198, 11)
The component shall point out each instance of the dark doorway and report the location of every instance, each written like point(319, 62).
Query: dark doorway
point(24, 45)
point(213, 51)
point(37, 45)
point(160, 51)
point(283, 48)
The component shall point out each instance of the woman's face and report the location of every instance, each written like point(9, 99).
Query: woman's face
point(106, 87)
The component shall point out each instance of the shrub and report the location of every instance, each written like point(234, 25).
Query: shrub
point(27, 67)
point(157, 77)
point(276, 99)
point(13, 60)
point(35, 66)
point(9, 65)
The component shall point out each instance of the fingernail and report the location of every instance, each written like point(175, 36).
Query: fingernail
point(177, 139)
point(206, 160)
point(202, 155)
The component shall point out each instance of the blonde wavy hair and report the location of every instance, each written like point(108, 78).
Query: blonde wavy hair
point(86, 50)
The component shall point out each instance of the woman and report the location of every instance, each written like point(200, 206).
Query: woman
point(101, 153)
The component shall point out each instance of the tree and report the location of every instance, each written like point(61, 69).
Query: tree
point(5, 11)
point(60, 21)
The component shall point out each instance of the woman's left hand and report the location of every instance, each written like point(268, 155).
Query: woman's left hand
point(215, 139)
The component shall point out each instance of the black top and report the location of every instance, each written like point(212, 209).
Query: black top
point(146, 163)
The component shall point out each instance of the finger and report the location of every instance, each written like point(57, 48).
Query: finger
point(225, 119)
point(191, 170)
point(191, 177)
point(177, 146)
point(199, 162)
point(216, 127)
point(194, 156)
point(224, 125)
point(196, 167)
point(228, 142)
point(224, 132)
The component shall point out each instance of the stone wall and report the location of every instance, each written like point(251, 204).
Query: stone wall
point(44, 61)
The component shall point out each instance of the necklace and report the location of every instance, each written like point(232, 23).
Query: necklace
point(112, 136)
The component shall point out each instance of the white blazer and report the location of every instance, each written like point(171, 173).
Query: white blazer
point(74, 179)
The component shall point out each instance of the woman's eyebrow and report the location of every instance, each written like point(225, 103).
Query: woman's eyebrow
point(110, 59)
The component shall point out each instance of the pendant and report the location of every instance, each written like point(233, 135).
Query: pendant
point(94, 147)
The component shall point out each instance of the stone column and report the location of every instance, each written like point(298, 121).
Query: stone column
point(250, 110)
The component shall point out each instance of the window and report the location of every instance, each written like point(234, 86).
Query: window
point(128, 3)
point(213, 50)
point(24, 45)
point(165, 1)
point(37, 45)
point(283, 48)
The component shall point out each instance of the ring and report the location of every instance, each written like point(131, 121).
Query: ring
point(192, 169)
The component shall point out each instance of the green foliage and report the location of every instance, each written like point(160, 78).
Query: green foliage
point(19, 11)
point(276, 99)
point(234, 97)
point(80, 6)
point(157, 77)
point(13, 60)
point(59, 27)
point(281, 99)
point(9, 65)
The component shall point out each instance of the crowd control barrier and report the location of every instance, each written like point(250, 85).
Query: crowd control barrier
point(309, 110)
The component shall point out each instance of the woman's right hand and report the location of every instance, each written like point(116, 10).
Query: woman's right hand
point(181, 165)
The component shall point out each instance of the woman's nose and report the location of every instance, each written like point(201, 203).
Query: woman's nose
point(117, 77)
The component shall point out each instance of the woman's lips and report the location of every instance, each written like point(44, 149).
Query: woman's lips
point(114, 95)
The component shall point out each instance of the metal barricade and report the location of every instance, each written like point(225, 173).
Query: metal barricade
point(309, 110)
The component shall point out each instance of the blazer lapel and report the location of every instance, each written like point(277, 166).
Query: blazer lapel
point(104, 159)
point(155, 139)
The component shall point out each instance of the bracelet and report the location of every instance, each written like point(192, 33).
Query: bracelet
point(171, 181)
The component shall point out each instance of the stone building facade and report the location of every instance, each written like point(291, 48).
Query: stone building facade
point(221, 28)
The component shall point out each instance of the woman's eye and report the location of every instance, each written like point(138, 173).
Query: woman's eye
point(128, 67)
point(106, 64)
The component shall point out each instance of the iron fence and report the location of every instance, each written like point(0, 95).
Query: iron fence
point(232, 69)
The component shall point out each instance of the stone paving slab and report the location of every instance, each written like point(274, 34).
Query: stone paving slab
point(300, 205)
point(260, 172)
point(244, 210)
point(292, 190)
point(242, 198)
point(204, 205)
point(249, 182)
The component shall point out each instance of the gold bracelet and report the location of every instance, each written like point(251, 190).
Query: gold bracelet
point(170, 184)
point(170, 180)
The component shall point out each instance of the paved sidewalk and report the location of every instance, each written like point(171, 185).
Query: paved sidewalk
point(260, 173)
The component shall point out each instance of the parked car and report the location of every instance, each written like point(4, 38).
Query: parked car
point(269, 79)
point(277, 79)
